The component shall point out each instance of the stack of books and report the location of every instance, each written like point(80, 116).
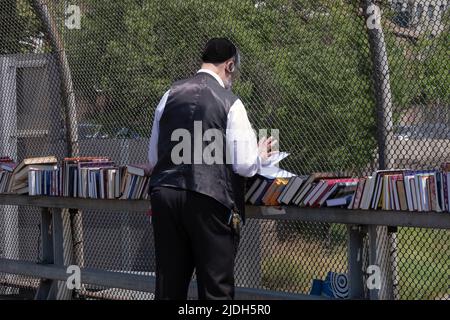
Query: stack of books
point(419, 190)
point(100, 178)
point(75, 175)
point(7, 166)
point(136, 182)
point(36, 176)
point(316, 190)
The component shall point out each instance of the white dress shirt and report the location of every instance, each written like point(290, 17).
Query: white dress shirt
point(240, 136)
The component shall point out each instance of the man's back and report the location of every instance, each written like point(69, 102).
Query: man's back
point(194, 107)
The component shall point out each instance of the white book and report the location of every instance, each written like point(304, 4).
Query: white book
point(258, 191)
point(396, 200)
point(296, 184)
point(378, 190)
point(417, 185)
point(38, 183)
point(138, 193)
point(252, 188)
point(127, 186)
point(302, 194)
point(424, 194)
point(285, 189)
point(117, 183)
point(408, 193)
point(412, 183)
point(111, 182)
point(368, 192)
point(385, 195)
point(31, 183)
point(312, 193)
point(318, 193)
point(392, 195)
point(91, 185)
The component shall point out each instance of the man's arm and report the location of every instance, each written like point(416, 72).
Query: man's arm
point(247, 155)
point(153, 145)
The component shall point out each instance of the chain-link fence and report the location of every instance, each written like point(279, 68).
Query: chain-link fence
point(346, 92)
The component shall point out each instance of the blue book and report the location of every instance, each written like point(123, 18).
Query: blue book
point(133, 184)
point(258, 201)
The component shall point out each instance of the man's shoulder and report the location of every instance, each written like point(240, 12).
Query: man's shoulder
point(210, 82)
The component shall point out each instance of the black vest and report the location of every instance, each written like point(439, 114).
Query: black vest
point(200, 98)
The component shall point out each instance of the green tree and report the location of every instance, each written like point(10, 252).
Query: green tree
point(18, 27)
point(305, 68)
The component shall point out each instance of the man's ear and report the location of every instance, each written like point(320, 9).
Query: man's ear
point(230, 66)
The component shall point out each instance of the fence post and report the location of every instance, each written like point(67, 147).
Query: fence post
point(383, 101)
point(355, 261)
point(8, 145)
point(45, 286)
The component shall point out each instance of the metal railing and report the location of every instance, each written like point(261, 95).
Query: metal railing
point(360, 223)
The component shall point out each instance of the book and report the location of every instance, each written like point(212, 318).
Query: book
point(19, 175)
point(367, 192)
point(253, 187)
point(313, 178)
point(272, 194)
point(71, 181)
point(139, 169)
point(402, 195)
point(291, 189)
point(256, 197)
point(338, 186)
point(342, 201)
point(359, 192)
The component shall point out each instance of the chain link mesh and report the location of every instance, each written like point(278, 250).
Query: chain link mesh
point(309, 69)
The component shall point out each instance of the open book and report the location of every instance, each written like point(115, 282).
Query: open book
point(271, 170)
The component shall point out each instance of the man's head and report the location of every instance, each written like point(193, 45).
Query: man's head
point(221, 56)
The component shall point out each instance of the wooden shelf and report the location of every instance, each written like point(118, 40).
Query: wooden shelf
point(438, 220)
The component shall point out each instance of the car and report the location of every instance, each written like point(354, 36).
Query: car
point(90, 131)
point(422, 131)
point(126, 133)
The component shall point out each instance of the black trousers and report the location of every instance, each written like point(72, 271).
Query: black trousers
point(191, 231)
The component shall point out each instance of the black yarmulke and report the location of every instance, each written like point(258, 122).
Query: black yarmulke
point(218, 50)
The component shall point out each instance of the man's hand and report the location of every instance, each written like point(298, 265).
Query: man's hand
point(267, 148)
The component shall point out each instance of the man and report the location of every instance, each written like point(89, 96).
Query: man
point(197, 206)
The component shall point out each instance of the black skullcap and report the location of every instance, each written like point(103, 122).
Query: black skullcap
point(218, 50)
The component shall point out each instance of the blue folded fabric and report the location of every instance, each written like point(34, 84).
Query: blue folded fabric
point(316, 288)
point(334, 286)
